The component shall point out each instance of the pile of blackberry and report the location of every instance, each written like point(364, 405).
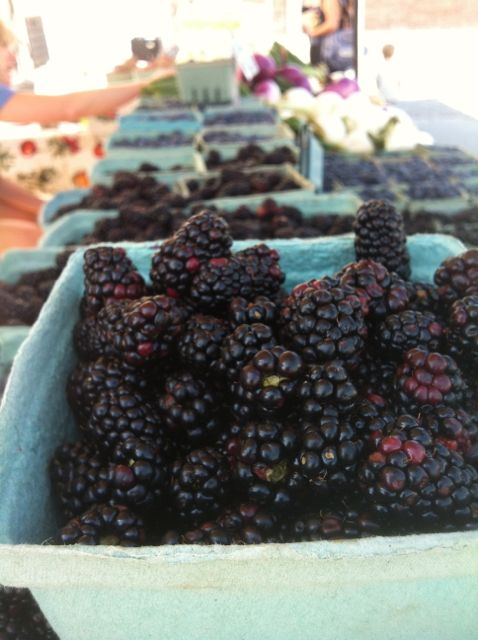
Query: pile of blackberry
point(214, 407)
point(21, 302)
point(234, 182)
point(251, 155)
point(21, 618)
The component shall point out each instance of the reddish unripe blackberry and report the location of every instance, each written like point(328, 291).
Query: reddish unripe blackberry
point(457, 276)
point(323, 324)
point(333, 524)
point(454, 428)
point(109, 275)
point(119, 413)
point(324, 386)
point(380, 236)
point(143, 330)
point(86, 338)
point(200, 345)
point(189, 408)
point(262, 264)
point(21, 617)
point(104, 524)
point(139, 472)
point(199, 484)
point(380, 291)
point(403, 331)
point(261, 309)
point(414, 479)
point(328, 453)
point(241, 345)
point(462, 331)
point(217, 282)
point(428, 378)
point(268, 383)
point(262, 462)
point(423, 297)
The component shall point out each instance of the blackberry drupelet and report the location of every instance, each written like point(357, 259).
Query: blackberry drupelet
point(423, 297)
point(380, 236)
point(104, 524)
point(86, 338)
point(324, 323)
point(109, 275)
point(189, 409)
point(261, 309)
point(268, 383)
point(400, 332)
point(462, 332)
point(200, 484)
point(262, 264)
point(241, 345)
point(331, 524)
point(143, 330)
point(428, 378)
point(457, 277)
point(380, 291)
point(21, 618)
point(217, 282)
point(323, 386)
point(262, 455)
point(200, 345)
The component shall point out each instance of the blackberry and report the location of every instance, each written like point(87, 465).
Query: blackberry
point(457, 277)
point(324, 323)
point(200, 345)
point(324, 386)
point(462, 331)
point(268, 383)
point(21, 617)
point(333, 524)
point(403, 331)
point(454, 428)
point(109, 275)
point(241, 345)
point(261, 309)
point(139, 472)
point(380, 291)
point(262, 455)
point(86, 338)
point(208, 233)
point(380, 236)
point(428, 378)
point(329, 450)
point(104, 524)
point(199, 484)
point(411, 478)
point(262, 264)
point(423, 297)
point(189, 408)
point(370, 418)
point(80, 477)
point(217, 282)
point(119, 413)
point(142, 330)
point(374, 376)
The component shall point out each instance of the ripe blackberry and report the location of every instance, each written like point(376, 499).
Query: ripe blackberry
point(261, 309)
point(139, 472)
point(208, 233)
point(428, 378)
point(86, 338)
point(370, 417)
point(324, 386)
point(400, 332)
point(143, 330)
point(189, 408)
point(119, 413)
point(200, 345)
point(262, 455)
point(268, 383)
point(241, 345)
point(323, 324)
point(380, 236)
point(462, 331)
point(104, 524)
point(199, 484)
point(217, 282)
point(88, 379)
point(454, 428)
point(109, 275)
point(423, 297)
point(457, 277)
point(380, 291)
point(329, 450)
point(374, 376)
point(80, 477)
point(333, 524)
point(21, 618)
point(262, 264)
point(414, 479)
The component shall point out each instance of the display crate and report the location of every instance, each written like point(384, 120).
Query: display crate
point(104, 170)
point(426, 585)
point(206, 83)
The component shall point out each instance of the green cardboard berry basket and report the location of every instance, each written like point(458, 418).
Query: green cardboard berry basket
point(104, 170)
point(420, 586)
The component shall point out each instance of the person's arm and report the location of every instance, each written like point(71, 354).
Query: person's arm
point(331, 22)
point(27, 108)
point(17, 198)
